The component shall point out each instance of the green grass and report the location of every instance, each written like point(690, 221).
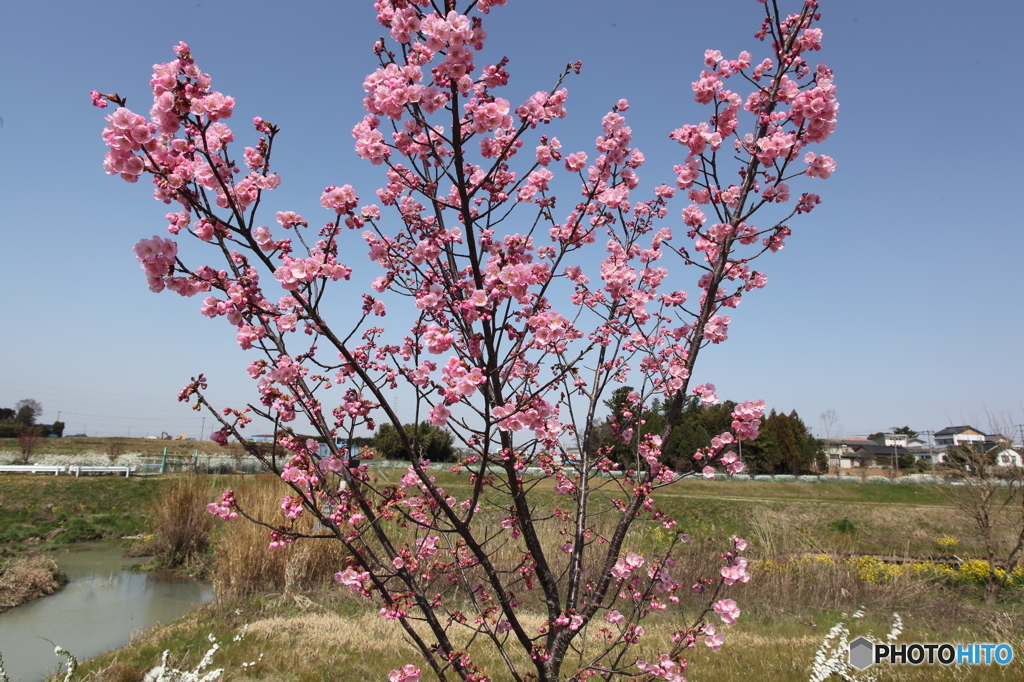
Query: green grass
point(784, 619)
point(84, 508)
point(336, 644)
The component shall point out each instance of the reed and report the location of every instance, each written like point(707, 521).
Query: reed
point(182, 524)
point(243, 562)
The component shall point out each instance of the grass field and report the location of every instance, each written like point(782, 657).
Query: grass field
point(39, 510)
point(804, 540)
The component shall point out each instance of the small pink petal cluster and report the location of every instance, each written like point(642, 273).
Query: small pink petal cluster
point(747, 419)
point(625, 566)
point(224, 508)
point(650, 449)
point(736, 572)
point(543, 107)
point(295, 271)
point(712, 639)
point(666, 668)
point(614, 617)
point(126, 134)
point(706, 393)
point(462, 381)
point(357, 581)
point(727, 610)
point(407, 673)
point(819, 166)
point(158, 257)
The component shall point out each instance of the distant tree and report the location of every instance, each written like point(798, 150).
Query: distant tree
point(811, 453)
point(28, 438)
point(795, 449)
point(961, 457)
point(689, 437)
point(909, 432)
point(718, 418)
point(762, 455)
point(830, 428)
point(430, 442)
point(116, 448)
point(992, 499)
point(27, 411)
point(6, 415)
point(628, 420)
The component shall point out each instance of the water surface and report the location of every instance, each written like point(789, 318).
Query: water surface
point(103, 605)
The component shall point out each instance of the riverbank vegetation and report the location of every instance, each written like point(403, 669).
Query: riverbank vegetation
point(39, 512)
point(816, 551)
point(25, 578)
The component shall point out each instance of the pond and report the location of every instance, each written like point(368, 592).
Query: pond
point(103, 605)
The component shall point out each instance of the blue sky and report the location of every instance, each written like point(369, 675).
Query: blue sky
point(896, 302)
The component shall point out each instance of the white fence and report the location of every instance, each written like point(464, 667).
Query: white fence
point(57, 470)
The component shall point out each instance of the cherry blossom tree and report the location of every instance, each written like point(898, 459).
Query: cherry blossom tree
point(520, 329)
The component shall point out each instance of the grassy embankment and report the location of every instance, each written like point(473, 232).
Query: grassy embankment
point(42, 511)
point(143, 446)
point(801, 536)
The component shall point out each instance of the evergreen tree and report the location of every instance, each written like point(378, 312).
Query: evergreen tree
point(624, 415)
point(690, 435)
point(432, 442)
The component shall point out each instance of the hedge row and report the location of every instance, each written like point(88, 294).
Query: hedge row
point(45, 430)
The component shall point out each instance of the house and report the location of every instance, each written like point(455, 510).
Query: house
point(959, 435)
point(999, 447)
point(851, 456)
point(878, 452)
point(1006, 457)
point(898, 439)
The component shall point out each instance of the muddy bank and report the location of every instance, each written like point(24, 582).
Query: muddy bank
point(25, 578)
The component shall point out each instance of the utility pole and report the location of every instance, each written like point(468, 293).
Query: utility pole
point(895, 457)
point(931, 452)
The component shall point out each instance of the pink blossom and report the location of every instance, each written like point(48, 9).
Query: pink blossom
point(439, 415)
point(727, 610)
point(819, 166)
point(437, 340)
point(716, 330)
point(342, 199)
point(706, 392)
point(736, 572)
point(713, 640)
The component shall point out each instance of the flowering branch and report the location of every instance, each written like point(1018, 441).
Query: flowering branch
point(515, 335)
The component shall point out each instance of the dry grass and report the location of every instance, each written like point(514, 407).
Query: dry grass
point(182, 524)
point(243, 562)
point(26, 578)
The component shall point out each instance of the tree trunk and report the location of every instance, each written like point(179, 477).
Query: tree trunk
point(992, 589)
